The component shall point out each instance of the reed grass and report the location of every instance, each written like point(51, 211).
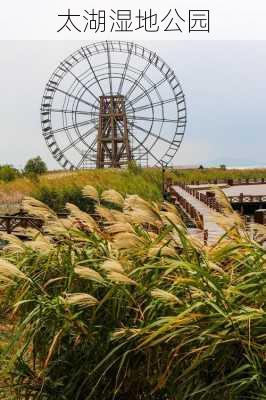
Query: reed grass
point(145, 313)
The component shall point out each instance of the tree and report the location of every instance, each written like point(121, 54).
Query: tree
point(8, 173)
point(223, 167)
point(35, 166)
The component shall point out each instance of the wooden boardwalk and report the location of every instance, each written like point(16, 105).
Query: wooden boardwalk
point(212, 230)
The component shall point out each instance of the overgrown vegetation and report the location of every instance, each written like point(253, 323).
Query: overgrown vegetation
point(130, 306)
point(210, 174)
point(8, 173)
point(58, 188)
point(35, 166)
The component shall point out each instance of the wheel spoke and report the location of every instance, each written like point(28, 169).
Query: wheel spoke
point(63, 111)
point(135, 84)
point(109, 68)
point(142, 145)
point(156, 104)
point(148, 91)
point(92, 70)
point(65, 128)
point(86, 153)
point(80, 138)
point(158, 137)
point(77, 79)
point(121, 84)
point(141, 118)
point(72, 96)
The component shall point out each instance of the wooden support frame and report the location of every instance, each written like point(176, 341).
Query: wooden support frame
point(113, 148)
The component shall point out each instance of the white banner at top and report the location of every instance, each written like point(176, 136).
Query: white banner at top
point(134, 20)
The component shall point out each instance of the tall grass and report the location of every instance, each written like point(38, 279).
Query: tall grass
point(58, 188)
point(210, 174)
point(129, 306)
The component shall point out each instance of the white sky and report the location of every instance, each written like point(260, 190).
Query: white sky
point(224, 83)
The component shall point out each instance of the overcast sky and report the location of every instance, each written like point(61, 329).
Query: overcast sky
point(224, 83)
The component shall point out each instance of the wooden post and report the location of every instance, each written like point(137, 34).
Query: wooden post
point(241, 198)
point(8, 226)
point(205, 236)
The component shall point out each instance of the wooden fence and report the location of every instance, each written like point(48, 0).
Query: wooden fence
point(231, 182)
point(9, 223)
point(249, 199)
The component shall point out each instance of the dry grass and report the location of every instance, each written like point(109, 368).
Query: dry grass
point(80, 299)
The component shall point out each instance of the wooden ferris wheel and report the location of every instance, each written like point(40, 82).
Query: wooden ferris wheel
point(111, 102)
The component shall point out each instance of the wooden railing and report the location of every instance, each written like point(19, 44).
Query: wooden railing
point(241, 199)
point(8, 223)
point(231, 182)
point(194, 214)
point(210, 201)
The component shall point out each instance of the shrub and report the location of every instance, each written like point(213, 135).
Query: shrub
point(56, 197)
point(35, 166)
point(8, 173)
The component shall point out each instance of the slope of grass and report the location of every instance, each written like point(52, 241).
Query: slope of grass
point(58, 188)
